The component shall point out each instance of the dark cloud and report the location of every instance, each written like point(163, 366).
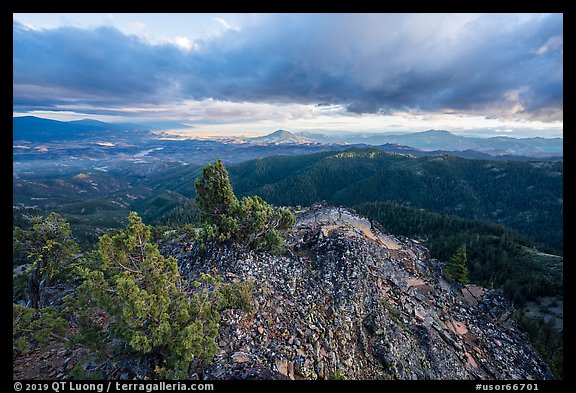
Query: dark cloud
point(368, 63)
point(102, 65)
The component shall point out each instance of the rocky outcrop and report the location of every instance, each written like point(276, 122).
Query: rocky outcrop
point(349, 301)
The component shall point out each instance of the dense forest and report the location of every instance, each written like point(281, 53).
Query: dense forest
point(525, 196)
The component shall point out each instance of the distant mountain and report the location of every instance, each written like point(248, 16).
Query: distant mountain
point(323, 138)
point(442, 140)
point(396, 148)
point(37, 129)
point(40, 130)
point(89, 123)
point(279, 137)
point(34, 129)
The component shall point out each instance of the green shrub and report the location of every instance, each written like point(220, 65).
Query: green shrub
point(147, 299)
point(152, 309)
point(30, 325)
point(237, 295)
point(49, 247)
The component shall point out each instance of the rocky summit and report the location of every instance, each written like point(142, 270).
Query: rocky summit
point(348, 301)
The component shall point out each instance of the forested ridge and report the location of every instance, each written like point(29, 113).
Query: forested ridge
point(525, 196)
point(502, 211)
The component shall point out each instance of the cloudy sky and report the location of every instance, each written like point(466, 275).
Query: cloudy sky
point(248, 74)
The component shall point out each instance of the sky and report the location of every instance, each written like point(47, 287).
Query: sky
point(251, 74)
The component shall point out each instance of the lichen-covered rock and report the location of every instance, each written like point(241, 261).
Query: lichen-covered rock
point(349, 301)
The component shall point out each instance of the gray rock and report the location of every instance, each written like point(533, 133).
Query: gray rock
point(340, 300)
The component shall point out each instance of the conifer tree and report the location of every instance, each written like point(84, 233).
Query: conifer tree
point(50, 249)
point(149, 300)
point(214, 195)
point(456, 269)
point(251, 222)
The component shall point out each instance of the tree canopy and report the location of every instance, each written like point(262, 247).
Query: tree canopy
point(50, 249)
point(251, 222)
point(214, 194)
point(456, 269)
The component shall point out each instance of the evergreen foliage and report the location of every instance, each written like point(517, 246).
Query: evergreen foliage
point(214, 195)
point(236, 295)
point(32, 327)
point(497, 256)
point(152, 308)
point(251, 222)
point(547, 340)
point(50, 249)
point(185, 213)
point(525, 196)
point(456, 269)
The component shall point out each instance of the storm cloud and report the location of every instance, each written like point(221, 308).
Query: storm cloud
point(499, 65)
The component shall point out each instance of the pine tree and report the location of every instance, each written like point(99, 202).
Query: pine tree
point(259, 224)
point(214, 195)
point(149, 300)
point(50, 249)
point(252, 222)
point(456, 269)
